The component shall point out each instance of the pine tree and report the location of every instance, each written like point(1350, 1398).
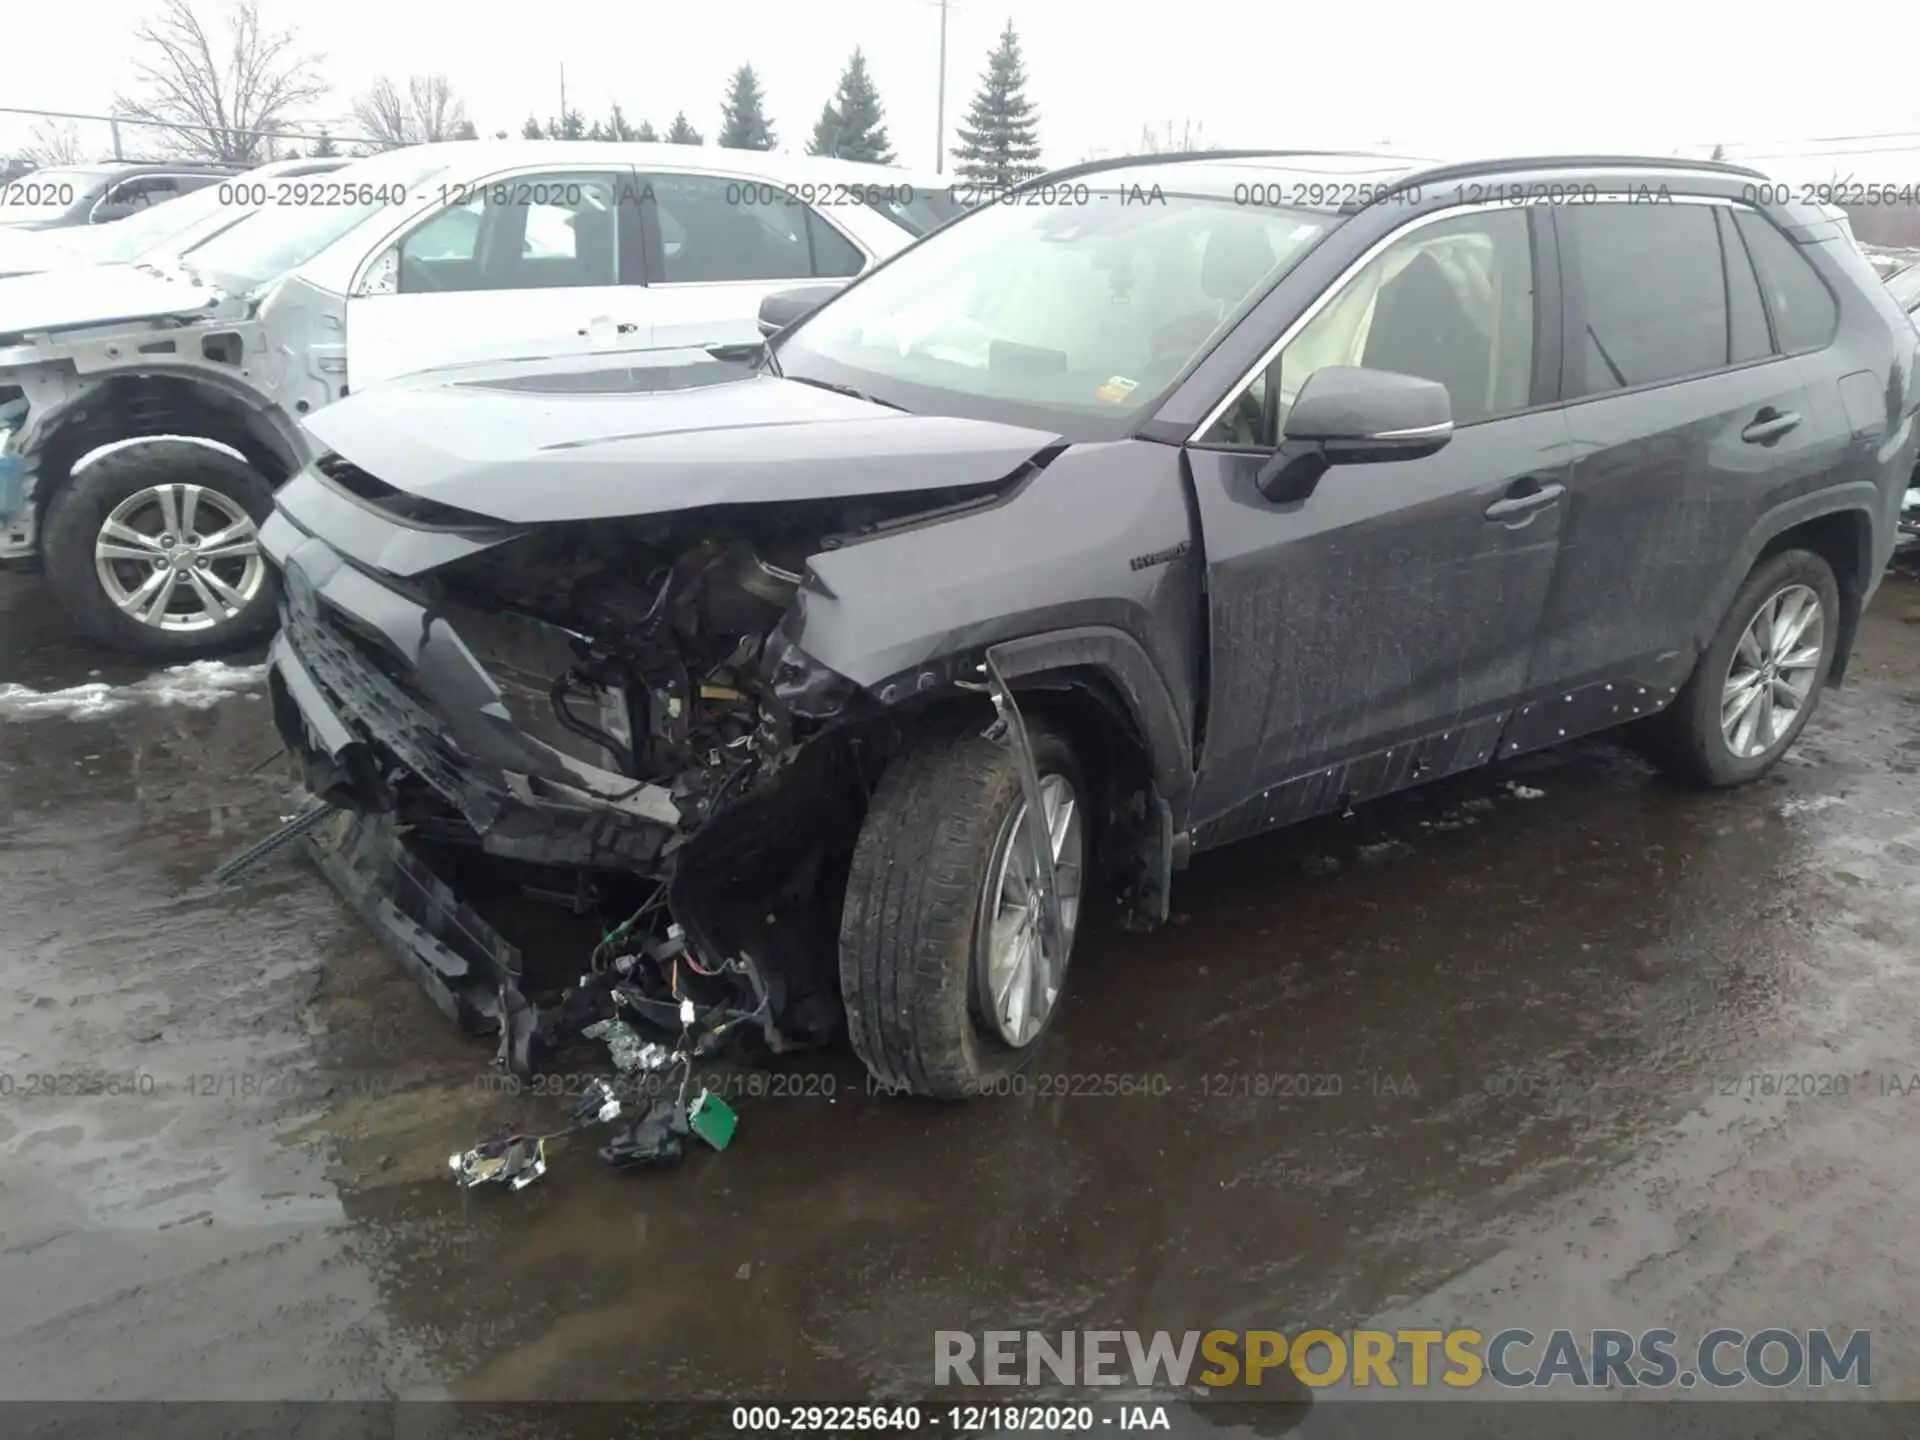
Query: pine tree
point(618, 127)
point(465, 131)
point(570, 126)
point(681, 133)
point(531, 130)
point(1719, 153)
point(999, 145)
point(743, 116)
point(647, 133)
point(595, 132)
point(850, 123)
point(324, 148)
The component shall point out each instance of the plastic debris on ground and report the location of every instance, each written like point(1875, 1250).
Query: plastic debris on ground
point(518, 1160)
point(626, 1049)
point(654, 1126)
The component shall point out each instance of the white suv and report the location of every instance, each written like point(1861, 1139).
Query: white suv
point(147, 411)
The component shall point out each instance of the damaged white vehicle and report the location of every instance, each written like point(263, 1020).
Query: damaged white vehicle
point(148, 411)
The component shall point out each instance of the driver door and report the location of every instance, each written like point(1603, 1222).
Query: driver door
point(524, 266)
point(1375, 633)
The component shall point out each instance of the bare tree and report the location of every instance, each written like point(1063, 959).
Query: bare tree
point(55, 144)
point(215, 95)
point(428, 111)
point(1172, 138)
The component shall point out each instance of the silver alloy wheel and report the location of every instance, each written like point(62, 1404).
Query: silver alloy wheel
point(1772, 671)
point(1017, 978)
point(179, 557)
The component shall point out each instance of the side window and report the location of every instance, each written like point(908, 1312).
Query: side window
point(530, 232)
point(1804, 314)
point(715, 229)
point(1646, 294)
point(453, 234)
point(834, 255)
point(1747, 337)
point(1451, 302)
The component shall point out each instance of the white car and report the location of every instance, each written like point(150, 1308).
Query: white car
point(147, 411)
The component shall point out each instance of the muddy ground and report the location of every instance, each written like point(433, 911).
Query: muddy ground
point(1527, 999)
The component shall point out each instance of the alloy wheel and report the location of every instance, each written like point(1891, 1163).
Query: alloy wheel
point(179, 557)
point(1017, 973)
point(1772, 672)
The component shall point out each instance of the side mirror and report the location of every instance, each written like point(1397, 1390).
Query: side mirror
point(1350, 415)
point(789, 307)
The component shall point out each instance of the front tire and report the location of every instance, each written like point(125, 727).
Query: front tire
point(948, 985)
point(154, 550)
point(1758, 681)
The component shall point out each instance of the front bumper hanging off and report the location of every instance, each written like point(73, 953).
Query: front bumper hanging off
point(468, 968)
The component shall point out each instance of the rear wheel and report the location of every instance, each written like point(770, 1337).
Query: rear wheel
point(155, 550)
point(949, 980)
point(1756, 685)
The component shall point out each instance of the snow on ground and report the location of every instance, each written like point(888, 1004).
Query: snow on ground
point(198, 686)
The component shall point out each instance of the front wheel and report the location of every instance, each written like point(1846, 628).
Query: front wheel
point(1758, 681)
point(949, 982)
point(155, 550)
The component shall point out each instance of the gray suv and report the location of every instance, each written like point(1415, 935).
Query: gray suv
point(1150, 506)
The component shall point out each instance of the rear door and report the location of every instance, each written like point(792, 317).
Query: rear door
point(1688, 422)
point(717, 246)
point(524, 266)
point(1374, 634)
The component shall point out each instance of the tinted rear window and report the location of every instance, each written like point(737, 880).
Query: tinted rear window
point(1803, 310)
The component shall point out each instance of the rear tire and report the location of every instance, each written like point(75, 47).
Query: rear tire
point(119, 504)
point(1706, 736)
point(928, 874)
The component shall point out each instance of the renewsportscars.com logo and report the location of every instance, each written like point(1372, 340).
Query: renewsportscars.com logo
point(1414, 1359)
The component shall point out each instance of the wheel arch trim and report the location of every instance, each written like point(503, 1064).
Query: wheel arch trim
point(1124, 661)
point(1861, 498)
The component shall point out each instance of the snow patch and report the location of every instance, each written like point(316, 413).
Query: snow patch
point(1523, 792)
point(198, 686)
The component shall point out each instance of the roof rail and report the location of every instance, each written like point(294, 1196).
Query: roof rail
point(1493, 165)
point(1114, 162)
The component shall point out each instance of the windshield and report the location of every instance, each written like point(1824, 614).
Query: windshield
point(916, 208)
point(1075, 315)
point(1905, 285)
point(307, 215)
point(153, 227)
point(47, 194)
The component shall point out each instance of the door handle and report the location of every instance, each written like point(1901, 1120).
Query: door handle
point(1769, 425)
point(1518, 503)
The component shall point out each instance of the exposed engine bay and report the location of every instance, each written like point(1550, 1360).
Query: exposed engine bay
point(730, 773)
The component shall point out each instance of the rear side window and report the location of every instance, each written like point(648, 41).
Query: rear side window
point(1747, 337)
point(715, 229)
point(1646, 295)
point(1804, 314)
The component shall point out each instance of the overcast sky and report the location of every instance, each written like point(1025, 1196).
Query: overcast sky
point(1472, 76)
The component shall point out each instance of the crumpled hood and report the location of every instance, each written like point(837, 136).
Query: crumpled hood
point(640, 432)
point(73, 297)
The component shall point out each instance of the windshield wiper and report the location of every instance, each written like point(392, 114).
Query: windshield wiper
point(845, 390)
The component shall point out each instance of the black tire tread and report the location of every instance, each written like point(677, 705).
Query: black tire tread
point(1685, 738)
point(73, 519)
point(912, 895)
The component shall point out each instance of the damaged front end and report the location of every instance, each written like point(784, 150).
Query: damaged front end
point(609, 715)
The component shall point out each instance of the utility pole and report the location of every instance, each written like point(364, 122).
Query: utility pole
point(563, 97)
point(940, 105)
